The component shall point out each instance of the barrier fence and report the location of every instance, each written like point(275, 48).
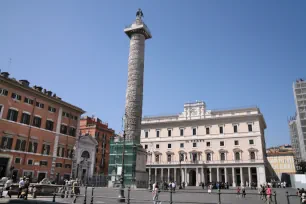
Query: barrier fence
point(66, 192)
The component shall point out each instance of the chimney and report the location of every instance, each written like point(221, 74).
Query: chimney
point(5, 74)
point(24, 82)
point(54, 95)
point(38, 88)
point(45, 91)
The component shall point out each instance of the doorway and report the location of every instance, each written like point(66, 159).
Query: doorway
point(3, 166)
point(192, 178)
point(41, 176)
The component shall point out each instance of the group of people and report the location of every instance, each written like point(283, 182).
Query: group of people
point(217, 185)
point(169, 186)
point(302, 194)
point(23, 188)
point(265, 192)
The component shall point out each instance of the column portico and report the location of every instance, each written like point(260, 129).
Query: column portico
point(162, 174)
point(250, 176)
point(202, 175)
point(233, 175)
point(210, 175)
point(241, 177)
point(225, 174)
point(174, 174)
point(218, 175)
point(168, 175)
point(197, 176)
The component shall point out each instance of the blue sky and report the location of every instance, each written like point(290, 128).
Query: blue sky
point(226, 53)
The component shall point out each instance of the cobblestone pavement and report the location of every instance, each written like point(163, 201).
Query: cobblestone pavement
point(189, 196)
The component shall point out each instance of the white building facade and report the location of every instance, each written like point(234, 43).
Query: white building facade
point(201, 145)
point(298, 127)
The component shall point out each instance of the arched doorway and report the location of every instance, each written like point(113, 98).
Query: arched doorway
point(192, 178)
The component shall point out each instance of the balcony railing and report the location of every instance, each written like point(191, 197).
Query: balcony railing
point(206, 162)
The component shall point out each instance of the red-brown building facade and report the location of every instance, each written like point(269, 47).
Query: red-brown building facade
point(102, 133)
point(38, 131)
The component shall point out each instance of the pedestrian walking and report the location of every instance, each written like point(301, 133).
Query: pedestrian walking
point(243, 192)
point(238, 192)
point(269, 195)
point(155, 193)
point(209, 187)
point(20, 187)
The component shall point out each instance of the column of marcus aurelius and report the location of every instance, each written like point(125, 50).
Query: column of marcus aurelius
point(138, 32)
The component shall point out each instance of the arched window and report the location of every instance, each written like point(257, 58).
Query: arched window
point(157, 158)
point(169, 157)
point(85, 155)
point(237, 156)
point(208, 157)
point(222, 156)
point(252, 155)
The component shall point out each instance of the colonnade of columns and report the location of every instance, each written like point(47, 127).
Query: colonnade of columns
point(196, 175)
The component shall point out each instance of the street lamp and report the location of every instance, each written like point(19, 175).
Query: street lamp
point(121, 197)
point(150, 173)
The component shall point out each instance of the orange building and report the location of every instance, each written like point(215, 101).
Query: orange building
point(38, 131)
point(102, 133)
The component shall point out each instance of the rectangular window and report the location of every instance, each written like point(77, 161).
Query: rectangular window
point(25, 118)
point(30, 162)
point(235, 128)
point(207, 144)
point(65, 114)
point(16, 96)
point(39, 105)
point(28, 101)
point(72, 131)
point(221, 143)
point(33, 147)
point(194, 131)
point(51, 109)
point(63, 129)
point(157, 133)
point(181, 132)
point(236, 142)
point(169, 146)
point(45, 149)
point(169, 133)
point(221, 129)
point(146, 134)
point(182, 145)
point(251, 142)
point(67, 166)
point(37, 121)
point(43, 163)
point(75, 118)
point(6, 143)
point(20, 145)
point(146, 146)
point(17, 160)
point(12, 115)
point(169, 157)
point(3, 92)
point(194, 144)
point(207, 131)
point(58, 165)
point(250, 128)
point(49, 125)
point(157, 146)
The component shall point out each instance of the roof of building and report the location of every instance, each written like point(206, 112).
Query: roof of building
point(37, 90)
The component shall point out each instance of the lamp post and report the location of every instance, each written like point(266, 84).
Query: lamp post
point(180, 172)
point(150, 166)
point(121, 197)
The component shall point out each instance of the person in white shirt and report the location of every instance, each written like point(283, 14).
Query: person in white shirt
point(173, 186)
point(21, 185)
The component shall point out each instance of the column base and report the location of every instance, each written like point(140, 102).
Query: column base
point(234, 184)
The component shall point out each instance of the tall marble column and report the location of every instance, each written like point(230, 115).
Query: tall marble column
point(202, 175)
point(174, 174)
point(155, 175)
point(250, 176)
point(210, 175)
point(218, 175)
point(161, 174)
point(138, 33)
point(225, 174)
point(241, 177)
point(197, 176)
point(168, 175)
point(233, 175)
